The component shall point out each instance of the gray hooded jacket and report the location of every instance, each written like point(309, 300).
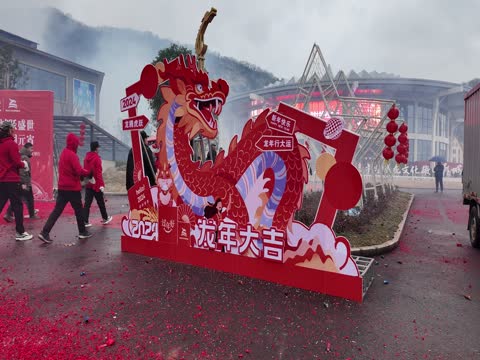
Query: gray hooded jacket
point(25, 176)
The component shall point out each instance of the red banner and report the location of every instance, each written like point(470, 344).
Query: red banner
point(31, 113)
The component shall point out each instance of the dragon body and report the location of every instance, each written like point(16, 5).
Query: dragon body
point(254, 181)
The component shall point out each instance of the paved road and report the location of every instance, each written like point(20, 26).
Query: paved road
point(151, 309)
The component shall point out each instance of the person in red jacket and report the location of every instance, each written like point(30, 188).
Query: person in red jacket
point(69, 189)
point(10, 188)
point(95, 189)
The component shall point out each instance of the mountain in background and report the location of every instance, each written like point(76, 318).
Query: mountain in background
point(121, 54)
point(99, 47)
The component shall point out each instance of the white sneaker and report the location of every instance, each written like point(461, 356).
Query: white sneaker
point(107, 220)
point(23, 237)
point(88, 224)
point(84, 235)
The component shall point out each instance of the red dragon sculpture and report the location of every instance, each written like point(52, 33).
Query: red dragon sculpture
point(254, 190)
point(192, 106)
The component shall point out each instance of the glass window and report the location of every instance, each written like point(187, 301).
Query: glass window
point(411, 118)
point(442, 125)
point(424, 120)
point(38, 79)
point(411, 149)
point(442, 150)
point(407, 114)
point(424, 150)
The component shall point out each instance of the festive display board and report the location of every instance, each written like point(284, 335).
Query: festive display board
point(237, 214)
point(31, 113)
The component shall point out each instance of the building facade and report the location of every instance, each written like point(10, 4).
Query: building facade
point(433, 110)
point(76, 91)
point(76, 87)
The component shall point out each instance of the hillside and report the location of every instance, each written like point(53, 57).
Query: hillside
point(101, 47)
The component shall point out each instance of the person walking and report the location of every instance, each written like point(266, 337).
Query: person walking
point(212, 154)
point(93, 164)
point(10, 163)
point(69, 189)
point(148, 163)
point(26, 192)
point(438, 171)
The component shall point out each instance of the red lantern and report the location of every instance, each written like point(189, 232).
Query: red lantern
point(403, 139)
point(390, 140)
point(82, 126)
point(402, 149)
point(400, 158)
point(393, 113)
point(403, 128)
point(392, 127)
point(387, 153)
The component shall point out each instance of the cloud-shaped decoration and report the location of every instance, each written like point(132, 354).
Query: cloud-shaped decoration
point(126, 225)
point(318, 248)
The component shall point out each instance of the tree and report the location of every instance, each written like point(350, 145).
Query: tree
point(169, 53)
point(11, 73)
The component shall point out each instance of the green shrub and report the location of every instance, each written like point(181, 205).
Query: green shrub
point(345, 222)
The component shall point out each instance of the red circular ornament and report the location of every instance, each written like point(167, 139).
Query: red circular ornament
point(149, 81)
point(400, 158)
point(343, 186)
point(403, 128)
point(402, 149)
point(387, 153)
point(403, 138)
point(392, 127)
point(390, 140)
point(393, 113)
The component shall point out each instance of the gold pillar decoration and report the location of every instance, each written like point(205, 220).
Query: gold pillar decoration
point(200, 46)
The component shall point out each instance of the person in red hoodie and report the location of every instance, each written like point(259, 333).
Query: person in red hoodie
point(10, 188)
point(69, 189)
point(95, 189)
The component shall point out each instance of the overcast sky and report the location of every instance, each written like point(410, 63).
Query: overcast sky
point(432, 39)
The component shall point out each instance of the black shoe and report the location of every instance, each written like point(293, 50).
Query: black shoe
point(45, 238)
point(84, 235)
point(8, 218)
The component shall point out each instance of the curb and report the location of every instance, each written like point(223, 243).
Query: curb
point(387, 246)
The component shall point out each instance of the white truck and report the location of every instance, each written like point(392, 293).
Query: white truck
point(471, 163)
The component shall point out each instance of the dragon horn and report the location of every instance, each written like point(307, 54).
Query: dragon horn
point(192, 63)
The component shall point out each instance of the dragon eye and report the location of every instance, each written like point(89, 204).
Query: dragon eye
point(199, 87)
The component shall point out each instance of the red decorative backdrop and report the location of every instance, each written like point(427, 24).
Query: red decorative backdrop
point(31, 112)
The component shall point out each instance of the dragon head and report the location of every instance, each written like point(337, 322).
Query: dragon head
point(200, 99)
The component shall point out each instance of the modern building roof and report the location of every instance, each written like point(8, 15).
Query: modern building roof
point(28, 45)
point(417, 86)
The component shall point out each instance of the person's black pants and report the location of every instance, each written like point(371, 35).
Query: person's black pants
point(98, 195)
point(438, 182)
point(11, 191)
point(63, 198)
point(27, 197)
